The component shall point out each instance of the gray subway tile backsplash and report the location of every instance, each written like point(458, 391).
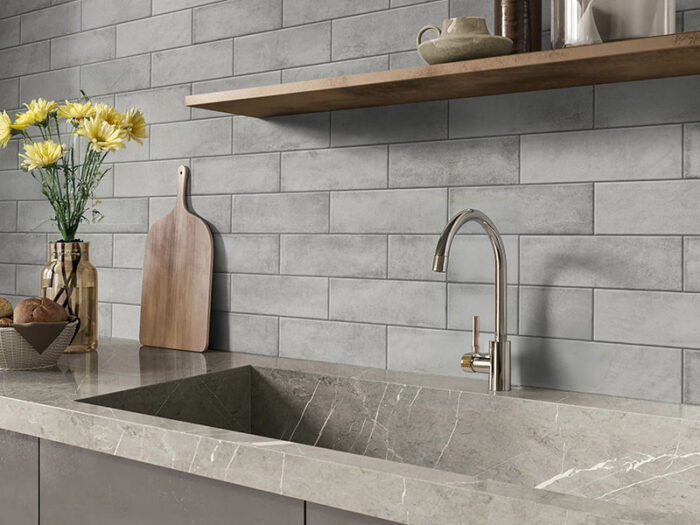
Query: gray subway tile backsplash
point(325, 224)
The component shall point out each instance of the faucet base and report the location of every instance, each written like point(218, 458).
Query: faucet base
point(499, 374)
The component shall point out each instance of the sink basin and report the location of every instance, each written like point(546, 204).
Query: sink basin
point(604, 453)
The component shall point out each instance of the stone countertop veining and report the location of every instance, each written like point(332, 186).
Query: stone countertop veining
point(527, 456)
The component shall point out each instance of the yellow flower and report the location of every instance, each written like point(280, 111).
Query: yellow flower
point(37, 111)
point(108, 113)
point(102, 134)
point(76, 110)
point(5, 128)
point(41, 154)
point(24, 120)
point(134, 125)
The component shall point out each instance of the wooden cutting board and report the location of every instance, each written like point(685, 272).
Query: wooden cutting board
point(177, 275)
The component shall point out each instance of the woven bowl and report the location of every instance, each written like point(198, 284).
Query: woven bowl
point(16, 353)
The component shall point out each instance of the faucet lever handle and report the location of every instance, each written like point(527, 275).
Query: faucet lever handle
point(475, 334)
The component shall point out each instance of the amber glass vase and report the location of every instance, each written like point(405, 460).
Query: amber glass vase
point(70, 279)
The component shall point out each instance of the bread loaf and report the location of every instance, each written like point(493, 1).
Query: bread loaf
point(39, 310)
point(5, 321)
point(5, 307)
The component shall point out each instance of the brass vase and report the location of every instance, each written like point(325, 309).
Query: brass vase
point(70, 279)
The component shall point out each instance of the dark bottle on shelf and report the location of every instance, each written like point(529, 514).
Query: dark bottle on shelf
point(521, 21)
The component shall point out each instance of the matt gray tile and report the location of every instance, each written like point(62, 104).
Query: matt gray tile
point(283, 48)
point(23, 248)
point(350, 343)
point(691, 377)
point(281, 133)
point(164, 6)
point(281, 213)
point(215, 209)
point(9, 93)
point(691, 150)
point(556, 312)
point(471, 258)
point(333, 255)
point(126, 320)
point(305, 11)
point(401, 123)
point(118, 285)
point(16, 7)
point(385, 31)
point(252, 334)
point(129, 250)
point(157, 105)
point(430, 351)
point(455, 163)
point(691, 264)
point(126, 74)
point(336, 69)
point(28, 280)
point(192, 63)
point(98, 13)
point(9, 32)
point(236, 17)
point(220, 292)
point(8, 216)
point(53, 85)
point(154, 33)
point(609, 369)
point(280, 295)
point(190, 139)
point(464, 301)
point(604, 262)
point(236, 174)
point(530, 209)
point(18, 184)
point(391, 302)
point(664, 207)
point(617, 154)
point(405, 59)
point(647, 102)
point(534, 112)
point(475, 8)
point(238, 82)
point(8, 158)
point(335, 169)
point(7, 279)
point(119, 215)
point(650, 318)
point(147, 179)
point(246, 253)
point(51, 22)
point(388, 211)
point(83, 48)
point(100, 247)
point(23, 60)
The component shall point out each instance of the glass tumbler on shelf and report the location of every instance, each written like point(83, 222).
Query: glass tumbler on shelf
point(583, 22)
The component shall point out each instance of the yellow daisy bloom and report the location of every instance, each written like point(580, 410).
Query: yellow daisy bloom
point(41, 154)
point(24, 120)
point(102, 134)
point(134, 125)
point(108, 113)
point(76, 110)
point(5, 128)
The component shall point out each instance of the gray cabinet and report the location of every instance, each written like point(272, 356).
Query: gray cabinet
point(320, 515)
point(19, 479)
point(84, 487)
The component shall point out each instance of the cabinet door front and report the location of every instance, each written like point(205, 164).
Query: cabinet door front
point(19, 479)
point(84, 487)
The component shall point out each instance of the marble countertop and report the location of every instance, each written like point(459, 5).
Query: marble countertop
point(45, 404)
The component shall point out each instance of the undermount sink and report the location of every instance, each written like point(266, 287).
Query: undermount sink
point(605, 453)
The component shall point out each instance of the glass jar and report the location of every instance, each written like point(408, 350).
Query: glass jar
point(70, 279)
point(583, 22)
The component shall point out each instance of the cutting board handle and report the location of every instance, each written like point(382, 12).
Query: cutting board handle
point(183, 174)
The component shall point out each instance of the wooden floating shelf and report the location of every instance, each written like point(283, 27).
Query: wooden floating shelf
point(640, 59)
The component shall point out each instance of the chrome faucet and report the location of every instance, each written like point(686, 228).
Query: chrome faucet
point(497, 362)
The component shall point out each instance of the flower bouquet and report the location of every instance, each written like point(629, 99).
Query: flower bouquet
point(64, 147)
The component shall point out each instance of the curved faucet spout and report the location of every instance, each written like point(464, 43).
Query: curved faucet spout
point(500, 348)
